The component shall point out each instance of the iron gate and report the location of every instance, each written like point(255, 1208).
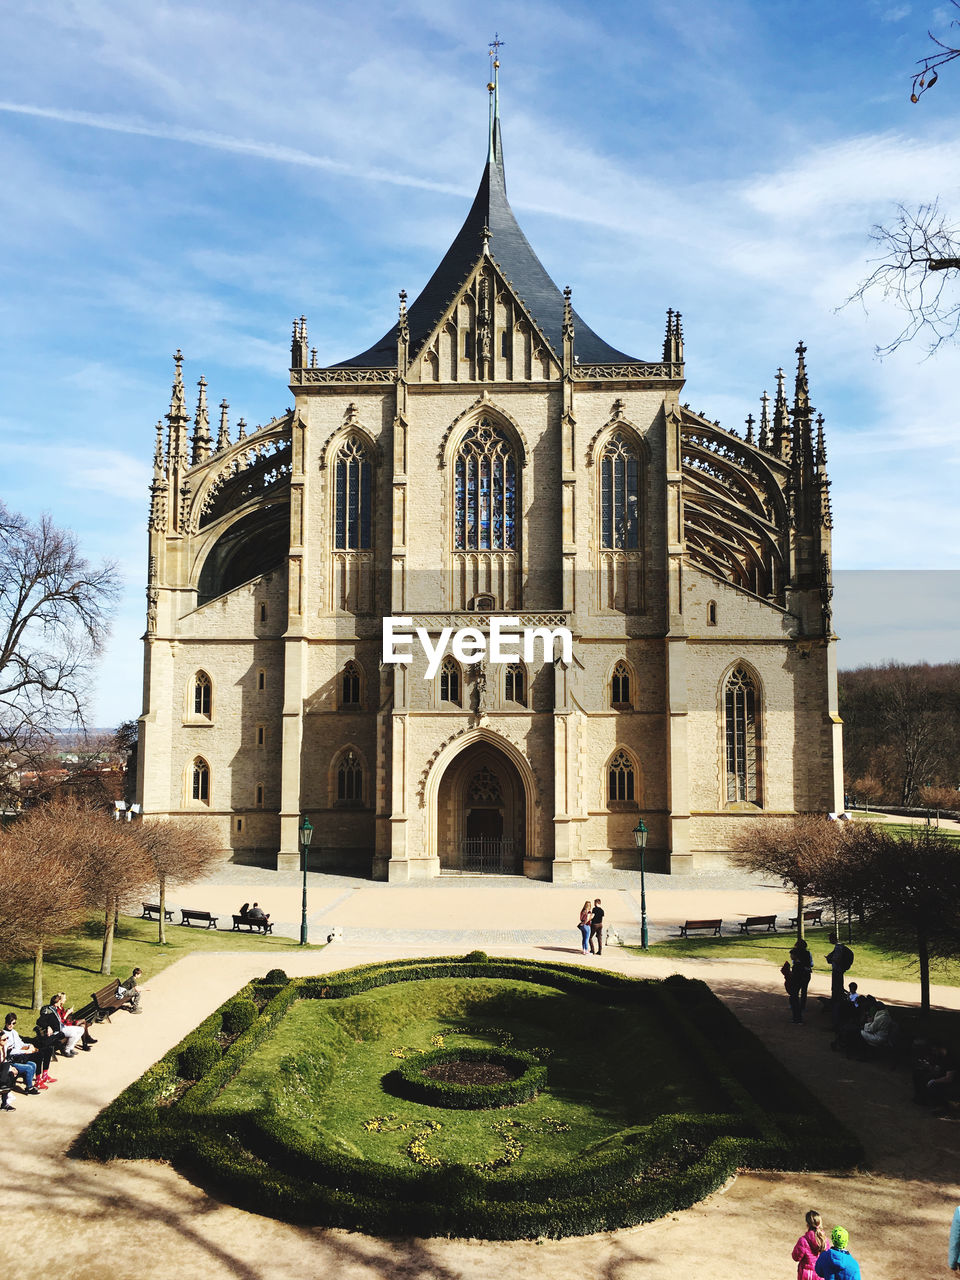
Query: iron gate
point(485, 855)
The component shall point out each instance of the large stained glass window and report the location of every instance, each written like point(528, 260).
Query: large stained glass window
point(485, 476)
point(740, 732)
point(620, 779)
point(353, 521)
point(619, 495)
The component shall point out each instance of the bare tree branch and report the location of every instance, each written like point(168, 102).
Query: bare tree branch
point(918, 242)
point(54, 614)
point(927, 76)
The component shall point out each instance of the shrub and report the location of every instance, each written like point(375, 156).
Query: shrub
point(275, 978)
point(197, 1056)
point(238, 1015)
point(413, 1084)
point(476, 957)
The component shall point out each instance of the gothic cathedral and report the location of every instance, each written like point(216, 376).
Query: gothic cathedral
point(490, 457)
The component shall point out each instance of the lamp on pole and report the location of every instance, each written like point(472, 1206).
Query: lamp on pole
point(640, 835)
point(306, 835)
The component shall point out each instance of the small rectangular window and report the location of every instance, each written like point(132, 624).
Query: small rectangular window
point(239, 825)
point(505, 343)
point(263, 613)
point(261, 735)
point(261, 679)
point(259, 795)
point(467, 345)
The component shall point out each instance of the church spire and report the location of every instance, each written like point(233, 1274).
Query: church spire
point(494, 155)
point(781, 421)
point(201, 427)
point(177, 416)
point(223, 435)
point(764, 421)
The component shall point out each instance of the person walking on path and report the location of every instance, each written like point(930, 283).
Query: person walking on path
point(837, 1262)
point(596, 928)
point(840, 959)
point(586, 914)
point(953, 1255)
point(810, 1246)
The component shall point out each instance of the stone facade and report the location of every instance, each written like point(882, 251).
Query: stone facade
point(692, 565)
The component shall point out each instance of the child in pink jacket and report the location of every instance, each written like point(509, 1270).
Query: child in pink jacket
point(809, 1247)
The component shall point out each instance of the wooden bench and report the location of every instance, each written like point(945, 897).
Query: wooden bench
point(700, 924)
point(203, 917)
point(759, 921)
point(814, 916)
point(152, 909)
point(105, 1002)
point(240, 921)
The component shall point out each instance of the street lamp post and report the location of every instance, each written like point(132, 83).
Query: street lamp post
point(306, 835)
point(640, 835)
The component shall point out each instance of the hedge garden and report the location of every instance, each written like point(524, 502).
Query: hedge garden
point(499, 1099)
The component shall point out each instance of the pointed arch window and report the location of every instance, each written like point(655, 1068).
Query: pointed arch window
point(621, 781)
point(450, 681)
point(620, 687)
point(515, 684)
point(202, 695)
point(619, 495)
point(485, 498)
point(353, 517)
point(741, 714)
point(350, 779)
point(351, 685)
point(200, 782)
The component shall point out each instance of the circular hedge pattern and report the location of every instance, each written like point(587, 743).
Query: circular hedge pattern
point(530, 1076)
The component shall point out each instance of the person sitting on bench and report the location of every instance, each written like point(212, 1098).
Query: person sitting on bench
point(70, 1023)
point(22, 1057)
point(131, 991)
point(244, 911)
point(881, 1031)
point(257, 915)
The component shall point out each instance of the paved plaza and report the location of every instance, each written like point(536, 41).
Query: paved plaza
point(141, 1219)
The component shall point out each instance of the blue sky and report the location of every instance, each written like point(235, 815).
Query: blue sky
point(196, 174)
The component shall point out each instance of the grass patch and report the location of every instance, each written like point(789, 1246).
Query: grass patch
point(871, 960)
point(72, 964)
point(654, 1095)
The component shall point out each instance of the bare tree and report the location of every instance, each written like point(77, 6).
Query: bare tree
point(909, 883)
point(54, 610)
point(181, 850)
point(115, 869)
point(793, 849)
point(43, 892)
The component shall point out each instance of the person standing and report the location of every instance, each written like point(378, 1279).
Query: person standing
point(953, 1254)
point(792, 988)
point(596, 928)
point(837, 1262)
point(809, 1247)
point(802, 962)
point(586, 914)
point(840, 959)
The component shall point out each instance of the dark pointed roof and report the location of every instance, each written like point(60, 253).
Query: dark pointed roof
point(512, 253)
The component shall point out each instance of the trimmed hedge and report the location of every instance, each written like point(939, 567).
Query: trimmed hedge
point(238, 1015)
point(416, 1086)
point(257, 1161)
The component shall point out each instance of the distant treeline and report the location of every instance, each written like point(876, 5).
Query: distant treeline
point(901, 734)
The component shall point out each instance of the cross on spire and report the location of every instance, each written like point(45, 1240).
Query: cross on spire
point(494, 90)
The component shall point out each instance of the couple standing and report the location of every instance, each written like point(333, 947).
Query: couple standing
point(591, 927)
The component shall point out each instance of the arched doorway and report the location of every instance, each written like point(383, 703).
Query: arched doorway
point(481, 813)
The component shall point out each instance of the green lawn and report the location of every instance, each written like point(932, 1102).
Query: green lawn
point(592, 1091)
point(72, 964)
point(870, 959)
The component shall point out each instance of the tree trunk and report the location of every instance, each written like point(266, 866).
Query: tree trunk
point(923, 955)
point(163, 902)
point(109, 925)
point(799, 912)
point(38, 976)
